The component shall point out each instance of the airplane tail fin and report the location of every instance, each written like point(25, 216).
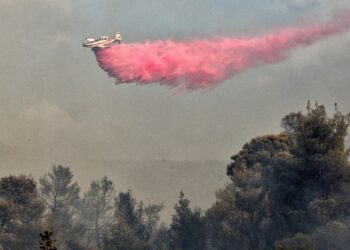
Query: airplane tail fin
point(118, 37)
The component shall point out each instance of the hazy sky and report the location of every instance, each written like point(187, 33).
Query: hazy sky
point(58, 107)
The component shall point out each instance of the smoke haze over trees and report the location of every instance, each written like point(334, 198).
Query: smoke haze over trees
point(287, 191)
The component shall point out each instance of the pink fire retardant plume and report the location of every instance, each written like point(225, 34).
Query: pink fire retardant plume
point(205, 63)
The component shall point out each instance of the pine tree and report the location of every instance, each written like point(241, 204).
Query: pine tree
point(187, 230)
point(97, 209)
point(134, 223)
point(61, 197)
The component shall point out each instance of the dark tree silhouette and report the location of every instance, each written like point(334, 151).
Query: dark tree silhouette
point(46, 241)
point(134, 223)
point(187, 230)
point(20, 212)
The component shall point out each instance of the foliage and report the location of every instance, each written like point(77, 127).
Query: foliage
point(97, 209)
point(57, 191)
point(298, 242)
point(20, 212)
point(282, 185)
point(161, 239)
point(46, 241)
point(187, 230)
point(134, 223)
point(289, 191)
point(61, 197)
point(333, 235)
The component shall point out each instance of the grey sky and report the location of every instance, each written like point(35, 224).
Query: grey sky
point(58, 107)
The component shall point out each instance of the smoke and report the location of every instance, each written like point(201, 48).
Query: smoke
point(204, 63)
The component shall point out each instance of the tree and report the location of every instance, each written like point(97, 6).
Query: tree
point(122, 238)
point(241, 215)
point(20, 212)
point(61, 197)
point(98, 209)
point(161, 240)
point(187, 230)
point(316, 176)
point(134, 223)
point(57, 191)
point(298, 242)
point(285, 184)
point(151, 218)
point(131, 212)
point(319, 166)
point(333, 235)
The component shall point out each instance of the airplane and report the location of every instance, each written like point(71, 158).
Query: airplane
point(102, 42)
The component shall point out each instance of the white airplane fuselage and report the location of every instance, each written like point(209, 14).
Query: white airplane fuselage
point(101, 42)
